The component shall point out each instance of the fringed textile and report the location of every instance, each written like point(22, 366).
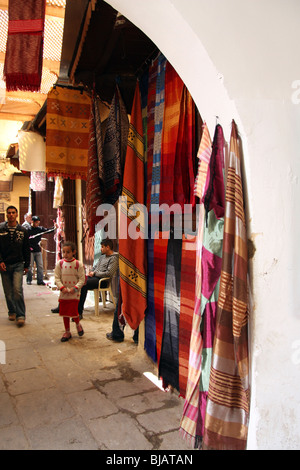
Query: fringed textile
point(112, 158)
point(187, 295)
point(93, 188)
point(67, 135)
point(132, 252)
point(227, 411)
point(24, 47)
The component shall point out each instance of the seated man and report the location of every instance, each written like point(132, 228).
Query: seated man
point(106, 267)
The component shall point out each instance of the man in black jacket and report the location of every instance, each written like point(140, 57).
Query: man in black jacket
point(35, 233)
point(14, 262)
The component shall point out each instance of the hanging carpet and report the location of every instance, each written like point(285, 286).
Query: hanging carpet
point(24, 47)
point(67, 134)
point(111, 163)
point(132, 252)
point(227, 411)
point(93, 189)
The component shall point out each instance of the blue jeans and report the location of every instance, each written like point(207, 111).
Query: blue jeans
point(37, 257)
point(12, 282)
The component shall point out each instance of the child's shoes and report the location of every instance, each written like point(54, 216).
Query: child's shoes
point(66, 336)
point(79, 330)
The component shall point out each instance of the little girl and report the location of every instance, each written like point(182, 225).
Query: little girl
point(69, 277)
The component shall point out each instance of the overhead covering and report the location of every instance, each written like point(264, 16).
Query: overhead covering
point(110, 50)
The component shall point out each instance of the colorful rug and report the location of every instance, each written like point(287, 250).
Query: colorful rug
point(24, 47)
point(227, 411)
point(150, 327)
point(132, 252)
point(150, 127)
point(67, 135)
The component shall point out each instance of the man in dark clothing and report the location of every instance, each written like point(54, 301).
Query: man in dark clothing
point(35, 234)
point(14, 261)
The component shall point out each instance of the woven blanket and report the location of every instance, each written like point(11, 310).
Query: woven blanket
point(67, 134)
point(132, 252)
point(158, 126)
point(160, 258)
point(191, 405)
point(24, 47)
point(227, 411)
point(168, 367)
point(187, 295)
point(112, 158)
point(93, 188)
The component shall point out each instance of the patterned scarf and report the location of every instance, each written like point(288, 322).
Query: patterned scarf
point(227, 411)
point(24, 48)
point(132, 252)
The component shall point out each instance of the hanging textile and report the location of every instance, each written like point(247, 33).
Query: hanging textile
point(38, 180)
point(160, 258)
point(93, 189)
point(132, 252)
point(191, 406)
point(67, 134)
point(150, 328)
point(158, 127)
point(227, 411)
point(150, 127)
point(111, 163)
point(32, 151)
point(168, 364)
point(58, 197)
point(187, 294)
point(24, 47)
point(59, 234)
point(172, 112)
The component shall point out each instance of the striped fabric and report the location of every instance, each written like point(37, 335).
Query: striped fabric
point(67, 134)
point(168, 365)
point(187, 293)
point(150, 127)
point(132, 252)
point(211, 269)
point(173, 97)
point(190, 411)
point(160, 259)
point(24, 47)
point(150, 328)
point(158, 126)
point(227, 412)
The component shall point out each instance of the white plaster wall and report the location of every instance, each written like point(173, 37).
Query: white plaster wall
point(240, 59)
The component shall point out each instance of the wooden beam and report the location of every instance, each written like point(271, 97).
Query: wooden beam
point(16, 117)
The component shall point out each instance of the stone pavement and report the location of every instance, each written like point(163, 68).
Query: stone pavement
point(86, 394)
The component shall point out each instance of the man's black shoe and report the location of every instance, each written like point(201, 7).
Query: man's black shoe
point(55, 310)
point(111, 338)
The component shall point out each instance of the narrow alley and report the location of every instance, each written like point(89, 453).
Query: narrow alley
point(86, 394)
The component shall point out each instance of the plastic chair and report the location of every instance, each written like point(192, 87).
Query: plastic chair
point(102, 290)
